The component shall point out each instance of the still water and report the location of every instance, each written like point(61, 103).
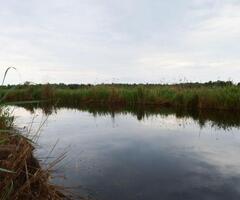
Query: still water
point(119, 156)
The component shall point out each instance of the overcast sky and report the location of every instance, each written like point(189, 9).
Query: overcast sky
point(94, 41)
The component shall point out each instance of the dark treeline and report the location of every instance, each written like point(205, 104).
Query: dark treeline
point(79, 86)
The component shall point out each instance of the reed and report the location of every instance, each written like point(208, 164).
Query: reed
point(21, 176)
point(185, 96)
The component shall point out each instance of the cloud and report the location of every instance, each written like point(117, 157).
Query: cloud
point(129, 41)
point(222, 26)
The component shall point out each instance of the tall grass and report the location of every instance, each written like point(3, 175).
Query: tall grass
point(21, 176)
point(221, 97)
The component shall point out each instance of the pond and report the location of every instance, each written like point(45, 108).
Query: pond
point(119, 155)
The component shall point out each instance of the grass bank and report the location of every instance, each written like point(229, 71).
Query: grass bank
point(21, 176)
point(192, 96)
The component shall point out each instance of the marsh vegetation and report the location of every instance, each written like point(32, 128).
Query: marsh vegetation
point(189, 96)
point(21, 174)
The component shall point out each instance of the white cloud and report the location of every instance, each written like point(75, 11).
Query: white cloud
point(223, 26)
point(129, 41)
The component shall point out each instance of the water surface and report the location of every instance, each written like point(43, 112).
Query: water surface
point(121, 156)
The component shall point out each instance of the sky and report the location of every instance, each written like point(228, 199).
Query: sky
point(127, 41)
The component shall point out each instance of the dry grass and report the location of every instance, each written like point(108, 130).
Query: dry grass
point(22, 177)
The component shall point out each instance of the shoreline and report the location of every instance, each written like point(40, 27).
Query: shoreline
point(189, 96)
point(21, 174)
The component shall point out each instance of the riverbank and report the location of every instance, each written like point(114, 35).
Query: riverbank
point(21, 176)
point(191, 96)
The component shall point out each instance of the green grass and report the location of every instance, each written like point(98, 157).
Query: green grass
point(200, 96)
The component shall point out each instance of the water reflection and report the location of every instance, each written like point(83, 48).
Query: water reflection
point(217, 118)
point(144, 153)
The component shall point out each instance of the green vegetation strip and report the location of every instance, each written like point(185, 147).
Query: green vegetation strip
point(212, 95)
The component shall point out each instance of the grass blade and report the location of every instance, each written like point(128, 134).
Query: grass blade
point(6, 171)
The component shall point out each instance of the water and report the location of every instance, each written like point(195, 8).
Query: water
point(123, 156)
